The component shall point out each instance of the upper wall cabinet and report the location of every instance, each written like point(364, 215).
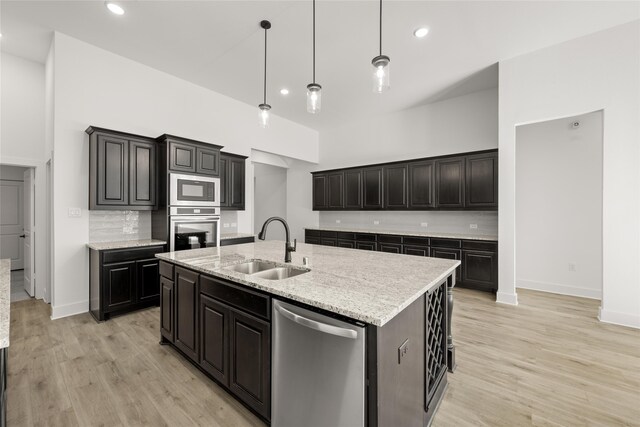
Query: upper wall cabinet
point(453, 182)
point(122, 171)
point(194, 157)
point(232, 181)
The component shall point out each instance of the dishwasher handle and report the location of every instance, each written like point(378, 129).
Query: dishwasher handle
point(318, 326)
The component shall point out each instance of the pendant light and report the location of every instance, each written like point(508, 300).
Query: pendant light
point(314, 90)
point(264, 107)
point(380, 66)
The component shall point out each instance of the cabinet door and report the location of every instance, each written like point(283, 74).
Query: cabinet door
point(415, 250)
point(113, 171)
point(353, 189)
point(236, 183)
point(447, 253)
point(482, 181)
point(182, 157)
point(392, 248)
point(335, 188)
point(147, 283)
point(207, 161)
point(214, 338)
point(450, 182)
point(320, 192)
point(251, 361)
point(480, 268)
point(142, 173)
point(395, 187)
point(167, 313)
point(186, 296)
point(224, 181)
point(372, 188)
point(118, 285)
point(421, 185)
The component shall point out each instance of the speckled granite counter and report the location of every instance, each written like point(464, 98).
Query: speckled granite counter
point(372, 287)
point(227, 236)
point(5, 299)
point(103, 246)
point(409, 233)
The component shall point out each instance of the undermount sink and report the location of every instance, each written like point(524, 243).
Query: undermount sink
point(280, 273)
point(252, 267)
point(266, 270)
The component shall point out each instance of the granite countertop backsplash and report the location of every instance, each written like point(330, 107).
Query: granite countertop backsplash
point(123, 244)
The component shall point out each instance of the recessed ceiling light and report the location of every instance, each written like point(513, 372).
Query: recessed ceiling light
point(421, 32)
point(114, 8)
point(284, 91)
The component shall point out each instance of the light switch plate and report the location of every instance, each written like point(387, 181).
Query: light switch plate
point(473, 226)
point(75, 212)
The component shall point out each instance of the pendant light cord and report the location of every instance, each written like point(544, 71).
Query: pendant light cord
point(265, 66)
point(380, 27)
point(314, 41)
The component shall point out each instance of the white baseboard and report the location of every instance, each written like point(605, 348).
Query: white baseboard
point(558, 288)
point(624, 319)
point(507, 298)
point(60, 311)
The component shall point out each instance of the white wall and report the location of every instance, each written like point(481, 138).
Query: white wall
point(96, 87)
point(464, 123)
point(559, 206)
point(270, 198)
point(598, 71)
point(13, 173)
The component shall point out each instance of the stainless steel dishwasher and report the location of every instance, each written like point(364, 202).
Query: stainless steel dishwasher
point(318, 370)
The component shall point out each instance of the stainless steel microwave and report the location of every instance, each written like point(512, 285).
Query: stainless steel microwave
point(193, 190)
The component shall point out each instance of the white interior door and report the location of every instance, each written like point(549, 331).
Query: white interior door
point(11, 223)
point(29, 231)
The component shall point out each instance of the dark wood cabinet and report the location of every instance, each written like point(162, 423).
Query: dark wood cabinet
point(167, 304)
point(482, 181)
point(189, 156)
point(122, 171)
point(186, 312)
point(421, 184)
point(123, 280)
point(393, 248)
point(372, 193)
point(232, 181)
point(395, 186)
point(320, 192)
point(353, 189)
point(250, 361)
point(182, 156)
point(415, 250)
point(349, 244)
point(480, 268)
point(335, 190)
point(215, 318)
point(207, 161)
point(448, 253)
point(450, 179)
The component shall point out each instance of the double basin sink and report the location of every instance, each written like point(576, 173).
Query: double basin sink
point(266, 270)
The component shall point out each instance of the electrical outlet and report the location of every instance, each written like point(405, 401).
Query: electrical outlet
point(337, 221)
point(225, 225)
point(403, 350)
point(75, 212)
point(376, 222)
point(473, 226)
point(424, 224)
point(572, 267)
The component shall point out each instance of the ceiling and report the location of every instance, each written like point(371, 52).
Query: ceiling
point(219, 45)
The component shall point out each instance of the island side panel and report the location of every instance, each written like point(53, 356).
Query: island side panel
point(451, 349)
point(401, 368)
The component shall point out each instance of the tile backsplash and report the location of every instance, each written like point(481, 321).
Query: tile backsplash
point(229, 222)
point(461, 222)
point(113, 226)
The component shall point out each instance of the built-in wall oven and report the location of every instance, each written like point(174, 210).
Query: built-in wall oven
point(193, 190)
point(193, 227)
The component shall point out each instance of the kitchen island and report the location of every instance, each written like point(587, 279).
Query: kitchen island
point(217, 312)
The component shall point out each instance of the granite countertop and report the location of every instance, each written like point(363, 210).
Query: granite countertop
point(5, 300)
point(372, 287)
point(226, 236)
point(103, 246)
point(462, 236)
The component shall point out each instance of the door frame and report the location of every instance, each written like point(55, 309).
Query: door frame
point(44, 283)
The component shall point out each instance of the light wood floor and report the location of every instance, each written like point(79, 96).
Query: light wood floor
point(547, 362)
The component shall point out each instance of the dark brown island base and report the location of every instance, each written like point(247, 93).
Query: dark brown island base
point(220, 309)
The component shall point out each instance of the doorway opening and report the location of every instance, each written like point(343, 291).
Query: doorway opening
point(559, 187)
point(270, 198)
point(17, 227)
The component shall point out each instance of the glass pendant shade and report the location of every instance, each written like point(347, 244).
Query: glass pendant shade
point(314, 98)
point(263, 115)
point(380, 73)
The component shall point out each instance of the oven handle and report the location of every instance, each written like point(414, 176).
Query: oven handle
point(190, 218)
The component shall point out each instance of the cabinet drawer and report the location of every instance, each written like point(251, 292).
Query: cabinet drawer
point(346, 244)
point(385, 238)
point(346, 236)
point(131, 254)
point(415, 250)
point(166, 270)
point(393, 248)
point(480, 245)
point(329, 234)
point(446, 243)
point(312, 240)
point(328, 242)
point(416, 241)
point(247, 300)
point(313, 233)
point(365, 237)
